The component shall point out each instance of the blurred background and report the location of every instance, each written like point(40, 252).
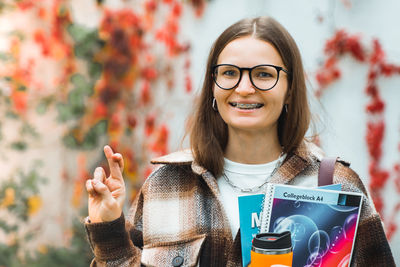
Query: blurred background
point(76, 75)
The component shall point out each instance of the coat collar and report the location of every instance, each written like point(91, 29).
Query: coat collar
point(306, 154)
point(182, 157)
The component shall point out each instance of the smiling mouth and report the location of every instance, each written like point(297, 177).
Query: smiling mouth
point(246, 106)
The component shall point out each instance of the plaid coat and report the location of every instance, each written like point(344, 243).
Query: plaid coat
point(177, 218)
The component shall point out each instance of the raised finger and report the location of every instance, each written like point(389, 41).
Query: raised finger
point(118, 157)
point(113, 162)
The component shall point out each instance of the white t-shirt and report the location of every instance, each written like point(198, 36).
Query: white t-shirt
point(248, 176)
point(243, 176)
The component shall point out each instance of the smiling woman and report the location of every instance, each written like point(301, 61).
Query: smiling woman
point(248, 130)
point(261, 41)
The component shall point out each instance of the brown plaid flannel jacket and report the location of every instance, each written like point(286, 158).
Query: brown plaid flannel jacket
point(177, 218)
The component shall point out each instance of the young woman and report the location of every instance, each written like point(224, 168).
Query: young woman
point(248, 130)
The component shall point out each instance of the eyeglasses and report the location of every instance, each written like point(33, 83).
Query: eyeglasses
point(263, 77)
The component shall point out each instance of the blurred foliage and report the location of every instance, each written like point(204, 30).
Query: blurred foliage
point(77, 254)
point(19, 197)
point(102, 90)
point(17, 193)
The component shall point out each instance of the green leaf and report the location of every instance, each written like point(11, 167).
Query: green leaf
point(78, 32)
point(8, 228)
point(78, 80)
point(81, 85)
point(76, 103)
point(32, 179)
point(7, 255)
point(92, 137)
point(12, 115)
point(89, 47)
point(64, 112)
point(95, 70)
point(44, 104)
point(5, 56)
point(70, 141)
point(62, 11)
point(29, 129)
point(84, 51)
point(19, 145)
point(41, 108)
point(87, 41)
point(128, 132)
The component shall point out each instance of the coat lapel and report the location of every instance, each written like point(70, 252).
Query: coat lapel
point(292, 166)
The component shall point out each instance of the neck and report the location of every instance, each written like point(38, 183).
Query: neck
point(252, 147)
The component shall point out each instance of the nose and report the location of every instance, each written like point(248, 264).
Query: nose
point(245, 87)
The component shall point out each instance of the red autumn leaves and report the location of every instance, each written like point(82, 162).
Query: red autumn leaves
point(138, 51)
point(342, 44)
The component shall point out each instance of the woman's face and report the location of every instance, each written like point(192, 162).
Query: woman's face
point(245, 107)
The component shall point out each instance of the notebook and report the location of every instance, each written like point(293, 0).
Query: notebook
point(323, 223)
point(249, 216)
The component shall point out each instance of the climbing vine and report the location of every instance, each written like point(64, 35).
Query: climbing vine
point(340, 45)
point(103, 83)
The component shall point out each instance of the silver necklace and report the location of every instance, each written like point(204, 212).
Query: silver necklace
point(255, 188)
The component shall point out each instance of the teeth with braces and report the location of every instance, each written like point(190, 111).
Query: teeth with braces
point(246, 106)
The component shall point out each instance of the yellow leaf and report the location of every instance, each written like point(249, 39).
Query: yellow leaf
point(42, 249)
point(34, 204)
point(9, 198)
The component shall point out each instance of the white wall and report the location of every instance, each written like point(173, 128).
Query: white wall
point(342, 108)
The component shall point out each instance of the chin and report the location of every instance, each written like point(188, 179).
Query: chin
point(252, 125)
point(249, 127)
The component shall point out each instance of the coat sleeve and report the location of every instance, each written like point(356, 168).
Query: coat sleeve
point(119, 242)
point(371, 247)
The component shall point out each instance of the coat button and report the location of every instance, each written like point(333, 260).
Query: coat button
point(177, 261)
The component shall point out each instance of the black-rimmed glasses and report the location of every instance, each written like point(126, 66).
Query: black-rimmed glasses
point(263, 77)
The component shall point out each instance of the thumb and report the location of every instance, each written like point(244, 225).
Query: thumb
point(101, 189)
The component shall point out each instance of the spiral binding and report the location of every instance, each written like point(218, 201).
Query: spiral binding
point(266, 210)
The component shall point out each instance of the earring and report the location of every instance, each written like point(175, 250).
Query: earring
point(214, 104)
point(286, 108)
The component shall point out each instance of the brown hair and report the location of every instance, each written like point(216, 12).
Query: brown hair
point(209, 133)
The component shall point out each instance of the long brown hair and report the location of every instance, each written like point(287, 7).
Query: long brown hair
point(209, 133)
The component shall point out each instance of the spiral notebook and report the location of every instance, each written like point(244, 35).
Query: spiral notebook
point(249, 216)
point(323, 223)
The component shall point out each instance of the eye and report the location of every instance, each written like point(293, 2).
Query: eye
point(264, 72)
point(227, 72)
point(230, 72)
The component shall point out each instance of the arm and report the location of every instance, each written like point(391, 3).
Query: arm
point(119, 242)
point(371, 247)
point(114, 242)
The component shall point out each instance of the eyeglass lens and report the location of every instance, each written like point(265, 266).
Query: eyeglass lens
point(263, 77)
